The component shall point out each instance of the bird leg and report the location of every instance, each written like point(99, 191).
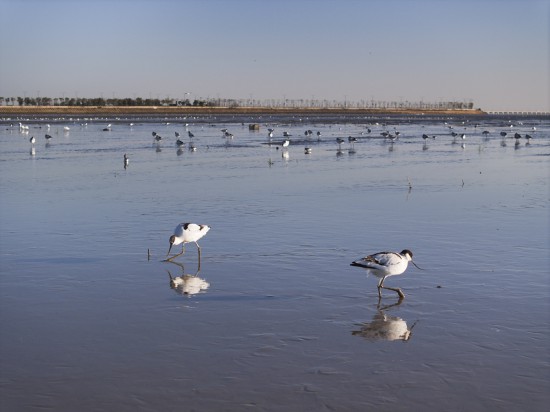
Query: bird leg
point(179, 254)
point(199, 250)
point(381, 286)
point(399, 291)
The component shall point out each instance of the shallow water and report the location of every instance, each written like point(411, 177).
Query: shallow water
point(89, 323)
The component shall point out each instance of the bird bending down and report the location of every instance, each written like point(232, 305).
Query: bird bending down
point(384, 264)
point(187, 233)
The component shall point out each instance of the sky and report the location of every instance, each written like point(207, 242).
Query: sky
point(495, 53)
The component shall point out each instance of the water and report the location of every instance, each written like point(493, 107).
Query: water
point(89, 323)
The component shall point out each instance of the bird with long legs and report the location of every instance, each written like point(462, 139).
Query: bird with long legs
point(385, 264)
point(187, 233)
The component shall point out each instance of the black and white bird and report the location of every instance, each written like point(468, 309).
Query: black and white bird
point(187, 233)
point(385, 264)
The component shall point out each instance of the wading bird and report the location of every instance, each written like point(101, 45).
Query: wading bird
point(384, 264)
point(187, 233)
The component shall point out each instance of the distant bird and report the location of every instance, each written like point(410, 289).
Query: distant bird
point(286, 143)
point(352, 141)
point(528, 137)
point(154, 134)
point(339, 140)
point(384, 264)
point(177, 134)
point(179, 143)
point(48, 137)
point(157, 137)
point(126, 160)
point(32, 140)
point(190, 134)
point(66, 128)
point(425, 137)
point(307, 150)
point(485, 132)
point(286, 134)
point(503, 134)
point(187, 233)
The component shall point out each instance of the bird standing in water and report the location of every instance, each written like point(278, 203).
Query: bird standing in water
point(187, 233)
point(384, 264)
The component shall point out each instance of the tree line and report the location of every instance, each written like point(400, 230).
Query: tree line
point(95, 101)
point(217, 102)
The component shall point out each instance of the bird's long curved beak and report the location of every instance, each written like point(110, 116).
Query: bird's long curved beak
point(416, 265)
point(169, 249)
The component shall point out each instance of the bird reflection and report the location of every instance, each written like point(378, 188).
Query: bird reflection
point(187, 284)
point(384, 327)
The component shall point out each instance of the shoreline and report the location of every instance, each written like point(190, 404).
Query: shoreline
point(176, 111)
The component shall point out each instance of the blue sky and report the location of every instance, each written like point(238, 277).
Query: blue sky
point(493, 52)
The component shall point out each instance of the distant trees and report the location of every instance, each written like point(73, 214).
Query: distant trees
point(234, 103)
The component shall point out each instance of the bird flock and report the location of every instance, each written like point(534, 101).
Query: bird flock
point(457, 134)
point(382, 264)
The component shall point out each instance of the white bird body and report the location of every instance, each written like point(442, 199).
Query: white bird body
point(187, 233)
point(384, 264)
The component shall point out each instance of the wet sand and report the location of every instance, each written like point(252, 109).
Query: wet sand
point(88, 322)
